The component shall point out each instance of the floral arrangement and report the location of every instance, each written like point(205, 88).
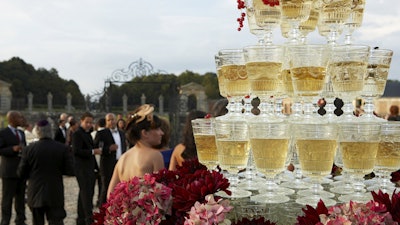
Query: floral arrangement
point(242, 5)
point(167, 197)
point(137, 201)
point(380, 211)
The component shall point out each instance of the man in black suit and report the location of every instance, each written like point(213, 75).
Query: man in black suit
point(12, 140)
point(44, 163)
point(114, 145)
point(61, 132)
point(85, 164)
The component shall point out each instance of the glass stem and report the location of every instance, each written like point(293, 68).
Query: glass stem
point(358, 185)
point(278, 106)
point(369, 107)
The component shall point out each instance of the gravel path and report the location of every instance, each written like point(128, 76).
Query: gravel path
point(71, 191)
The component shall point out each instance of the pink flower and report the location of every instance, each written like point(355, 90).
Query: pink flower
point(380, 211)
point(209, 213)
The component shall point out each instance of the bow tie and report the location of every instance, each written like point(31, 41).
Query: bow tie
point(114, 130)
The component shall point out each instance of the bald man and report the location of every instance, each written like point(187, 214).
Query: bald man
point(12, 140)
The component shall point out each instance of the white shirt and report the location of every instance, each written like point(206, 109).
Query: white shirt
point(117, 140)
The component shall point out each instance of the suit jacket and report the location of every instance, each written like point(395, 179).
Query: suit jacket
point(108, 158)
point(82, 146)
point(44, 163)
point(59, 135)
point(9, 158)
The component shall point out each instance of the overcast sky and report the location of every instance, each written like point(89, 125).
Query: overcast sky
point(87, 40)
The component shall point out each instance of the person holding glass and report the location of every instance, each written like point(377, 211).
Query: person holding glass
point(112, 142)
point(85, 165)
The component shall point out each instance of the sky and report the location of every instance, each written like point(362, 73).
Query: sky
point(87, 40)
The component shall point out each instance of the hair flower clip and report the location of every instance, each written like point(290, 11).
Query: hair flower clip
point(143, 112)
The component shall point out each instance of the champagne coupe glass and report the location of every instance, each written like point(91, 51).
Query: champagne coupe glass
point(310, 24)
point(375, 80)
point(268, 17)
point(204, 137)
point(101, 145)
point(355, 19)
point(270, 143)
point(264, 67)
point(254, 28)
point(325, 31)
point(295, 12)
point(333, 14)
point(358, 145)
point(308, 70)
point(347, 68)
point(316, 145)
point(388, 157)
point(233, 69)
point(233, 148)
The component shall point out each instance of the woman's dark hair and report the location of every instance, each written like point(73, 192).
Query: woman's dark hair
point(119, 120)
point(187, 136)
point(141, 119)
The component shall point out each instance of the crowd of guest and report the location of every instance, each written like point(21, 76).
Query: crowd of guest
point(107, 150)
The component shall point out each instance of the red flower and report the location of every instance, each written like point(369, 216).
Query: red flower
point(392, 205)
point(311, 215)
point(190, 183)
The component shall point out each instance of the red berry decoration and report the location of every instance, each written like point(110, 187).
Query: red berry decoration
point(208, 116)
point(241, 5)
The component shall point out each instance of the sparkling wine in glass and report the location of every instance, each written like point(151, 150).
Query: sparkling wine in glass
point(270, 142)
point(355, 19)
point(358, 145)
point(316, 145)
point(232, 140)
point(333, 14)
point(310, 24)
point(268, 17)
point(264, 67)
point(308, 71)
point(295, 12)
point(233, 69)
point(375, 80)
point(347, 68)
point(204, 137)
point(388, 156)
point(254, 28)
